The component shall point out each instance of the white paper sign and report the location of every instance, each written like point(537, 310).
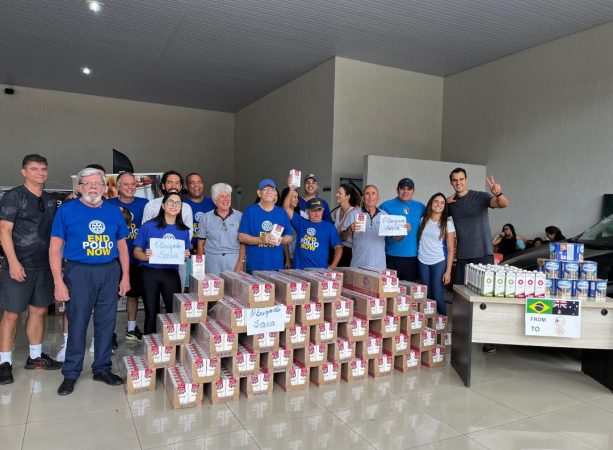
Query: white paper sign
point(264, 320)
point(392, 225)
point(553, 318)
point(167, 251)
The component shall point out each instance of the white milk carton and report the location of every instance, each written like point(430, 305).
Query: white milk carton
point(295, 175)
point(360, 222)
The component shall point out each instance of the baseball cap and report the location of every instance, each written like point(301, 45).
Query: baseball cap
point(266, 182)
point(311, 175)
point(315, 203)
point(406, 182)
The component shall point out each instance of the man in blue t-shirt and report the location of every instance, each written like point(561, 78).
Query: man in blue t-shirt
point(258, 227)
point(311, 187)
point(89, 235)
point(314, 237)
point(401, 251)
point(199, 203)
point(134, 206)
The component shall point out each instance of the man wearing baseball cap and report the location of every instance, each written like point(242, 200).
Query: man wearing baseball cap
point(315, 237)
point(401, 251)
point(264, 250)
point(311, 187)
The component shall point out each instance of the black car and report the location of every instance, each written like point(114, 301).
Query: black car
point(598, 244)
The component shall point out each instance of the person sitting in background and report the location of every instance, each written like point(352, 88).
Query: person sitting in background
point(537, 242)
point(508, 242)
point(554, 234)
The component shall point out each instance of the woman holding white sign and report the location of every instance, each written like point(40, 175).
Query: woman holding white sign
point(161, 244)
point(436, 236)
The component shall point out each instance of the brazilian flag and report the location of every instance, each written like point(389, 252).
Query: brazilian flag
point(539, 306)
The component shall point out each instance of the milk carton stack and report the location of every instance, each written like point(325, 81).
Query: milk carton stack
point(492, 280)
point(569, 276)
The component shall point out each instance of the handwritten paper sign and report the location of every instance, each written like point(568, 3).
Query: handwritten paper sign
point(264, 320)
point(167, 251)
point(392, 225)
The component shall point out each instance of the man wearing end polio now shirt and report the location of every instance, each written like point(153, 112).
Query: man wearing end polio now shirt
point(89, 236)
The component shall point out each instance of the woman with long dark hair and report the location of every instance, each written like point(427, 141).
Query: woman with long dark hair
point(554, 234)
point(288, 249)
point(348, 198)
point(508, 242)
point(160, 279)
point(436, 237)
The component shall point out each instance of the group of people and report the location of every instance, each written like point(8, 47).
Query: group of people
point(508, 242)
point(93, 249)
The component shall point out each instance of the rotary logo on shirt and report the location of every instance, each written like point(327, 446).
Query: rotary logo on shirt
point(97, 244)
point(309, 241)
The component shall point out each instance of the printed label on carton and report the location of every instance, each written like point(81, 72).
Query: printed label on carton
point(358, 367)
point(358, 326)
point(401, 342)
point(429, 307)
point(391, 324)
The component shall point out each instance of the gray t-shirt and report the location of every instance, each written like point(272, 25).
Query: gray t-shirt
point(221, 234)
point(470, 217)
point(368, 246)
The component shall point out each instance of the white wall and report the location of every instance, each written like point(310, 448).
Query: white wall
point(73, 130)
point(289, 128)
point(383, 111)
point(430, 177)
point(542, 122)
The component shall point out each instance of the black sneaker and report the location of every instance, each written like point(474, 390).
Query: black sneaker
point(115, 344)
point(136, 335)
point(43, 362)
point(489, 348)
point(67, 386)
point(6, 373)
point(109, 378)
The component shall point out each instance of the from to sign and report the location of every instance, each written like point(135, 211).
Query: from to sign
point(553, 318)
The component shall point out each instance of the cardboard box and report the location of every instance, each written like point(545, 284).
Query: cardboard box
point(370, 348)
point(356, 329)
point(333, 274)
point(387, 327)
point(444, 339)
point(399, 306)
point(381, 366)
point(340, 310)
point(368, 306)
point(323, 288)
point(309, 314)
point(295, 379)
point(312, 355)
point(278, 360)
point(341, 351)
point(209, 288)
point(354, 370)
point(217, 340)
point(198, 266)
point(230, 314)
point(328, 373)
point(425, 340)
point(244, 362)
point(258, 384)
point(323, 333)
point(248, 290)
point(294, 337)
point(413, 323)
point(428, 308)
point(172, 330)
point(398, 344)
point(261, 342)
point(439, 323)
point(415, 291)
point(224, 389)
point(434, 357)
point(371, 283)
point(182, 391)
point(289, 290)
point(139, 377)
point(201, 366)
point(410, 360)
point(189, 308)
point(158, 354)
point(290, 316)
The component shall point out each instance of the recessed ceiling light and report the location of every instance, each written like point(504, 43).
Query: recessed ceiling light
point(94, 5)
point(86, 70)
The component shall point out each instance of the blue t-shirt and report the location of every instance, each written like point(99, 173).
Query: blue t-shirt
point(198, 210)
point(136, 209)
point(303, 205)
point(255, 222)
point(150, 230)
point(413, 211)
point(313, 242)
point(90, 235)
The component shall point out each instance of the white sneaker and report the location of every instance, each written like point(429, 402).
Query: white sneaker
point(61, 355)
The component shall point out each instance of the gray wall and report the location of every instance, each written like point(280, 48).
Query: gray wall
point(542, 122)
point(289, 128)
point(73, 130)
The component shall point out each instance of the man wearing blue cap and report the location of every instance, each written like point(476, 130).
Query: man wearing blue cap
point(264, 250)
point(311, 187)
point(401, 251)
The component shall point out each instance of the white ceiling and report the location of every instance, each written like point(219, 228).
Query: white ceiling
point(225, 54)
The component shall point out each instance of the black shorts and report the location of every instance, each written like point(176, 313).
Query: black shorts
point(36, 290)
point(136, 284)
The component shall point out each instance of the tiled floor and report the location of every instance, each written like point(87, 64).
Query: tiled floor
point(520, 398)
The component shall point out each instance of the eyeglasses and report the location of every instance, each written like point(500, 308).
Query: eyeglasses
point(173, 203)
point(41, 204)
point(91, 184)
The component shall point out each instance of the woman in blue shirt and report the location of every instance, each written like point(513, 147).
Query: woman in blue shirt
point(160, 279)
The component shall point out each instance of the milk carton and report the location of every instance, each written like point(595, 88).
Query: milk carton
point(294, 177)
point(360, 222)
point(499, 283)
